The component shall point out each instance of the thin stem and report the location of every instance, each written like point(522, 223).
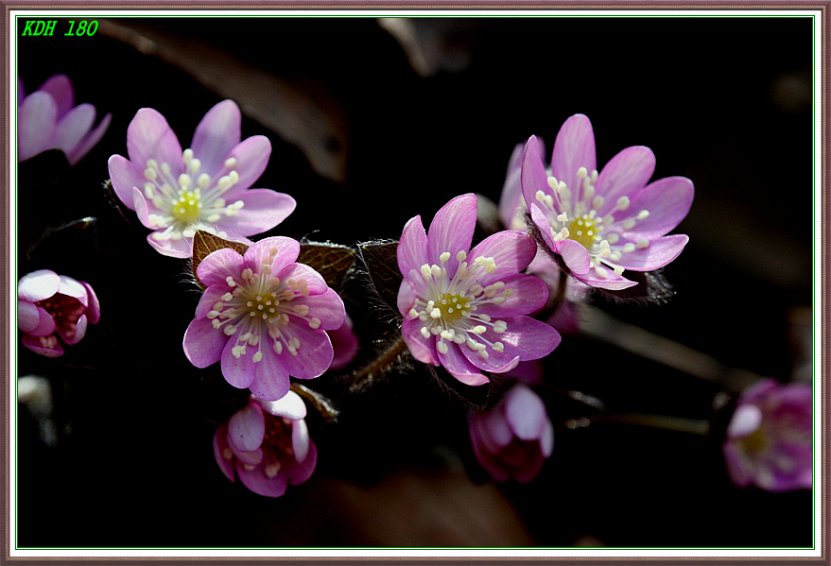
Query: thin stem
point(360, 378)
point(663, 422)
point(321, 403)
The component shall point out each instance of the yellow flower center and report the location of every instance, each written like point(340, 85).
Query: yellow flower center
point(584, 230)
point(756, 442)
point(187, 208)
point(453, 307)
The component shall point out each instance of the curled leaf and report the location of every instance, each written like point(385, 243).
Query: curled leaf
point(379, 259)
point(332, 261)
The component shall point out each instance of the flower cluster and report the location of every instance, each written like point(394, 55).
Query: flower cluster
point(485, 313)
point(47, 119)
point(54, 308)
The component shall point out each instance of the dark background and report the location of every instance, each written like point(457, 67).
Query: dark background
point(725, 102)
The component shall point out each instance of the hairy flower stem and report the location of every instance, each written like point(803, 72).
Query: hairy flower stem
point(385, 359)
point(691, 426)
point(321, 403)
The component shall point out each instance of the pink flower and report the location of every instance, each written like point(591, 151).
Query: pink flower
point(466, 309)
point(769, 438)
point(603, 224)
point(264, 316)
point(206, 187)
point(52, 306)
point(512, 440)
point(47, 120)
point(267, 445)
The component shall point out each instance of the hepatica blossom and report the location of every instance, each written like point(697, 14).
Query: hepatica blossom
point(205, 187)
point(768, 440)
point(48, 119)
point(264, 317)
point(54, 308)
point(465, 309)
point(602, 224)
point(267, 445)
point(512, 440)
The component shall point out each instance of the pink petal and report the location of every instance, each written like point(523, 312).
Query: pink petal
point(327, 307)
point(89, 140)
point(532, 338)
point(533, 176)
point(59, 88)
point(38, 285)
point(220, 444)
point(611, 281)
point(246, 429)
point(302, 272)
point(218, 266)
point(511, 251)
point(260, 253)
point(575, 256)
point(72, 288)
point(460, 368)
point(239, 372)
point(626, 174)
point(314, 355)
point(659, 253)
point(300, 440)
point(303, 470)
point(252, 156)
point(35, 123)
point(345, 345)
point(496, 427)
point(94, 307)
point(452, 230)
point(525, 413)
point(28, 317)
point(290, 406)
point(149, 137)
point(256, 481)
point(406, 298)
point(412, 247)
point(21, 92)
point(668, 202)
point(423, 349)
point(73, 127)
point(209, 298)
point(203, 344)
point(496, 362)
point(511, 200)
point(573, 148)
point(34, 345)
point(540, 220)
point(77, 334)
point(125, 175)
point(46, 324)
point(216, 135)
point(527, 295)
point(263, 210)
point(271, 376)
point(143, 209)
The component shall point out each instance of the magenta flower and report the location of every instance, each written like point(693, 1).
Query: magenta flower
point(47, 120)
point(603, 224)
point(206, 187)
point(769, 438)
point(512, 440)
point(264, 316)
point(52, 306)
point(466, 309)
point(267, 445)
